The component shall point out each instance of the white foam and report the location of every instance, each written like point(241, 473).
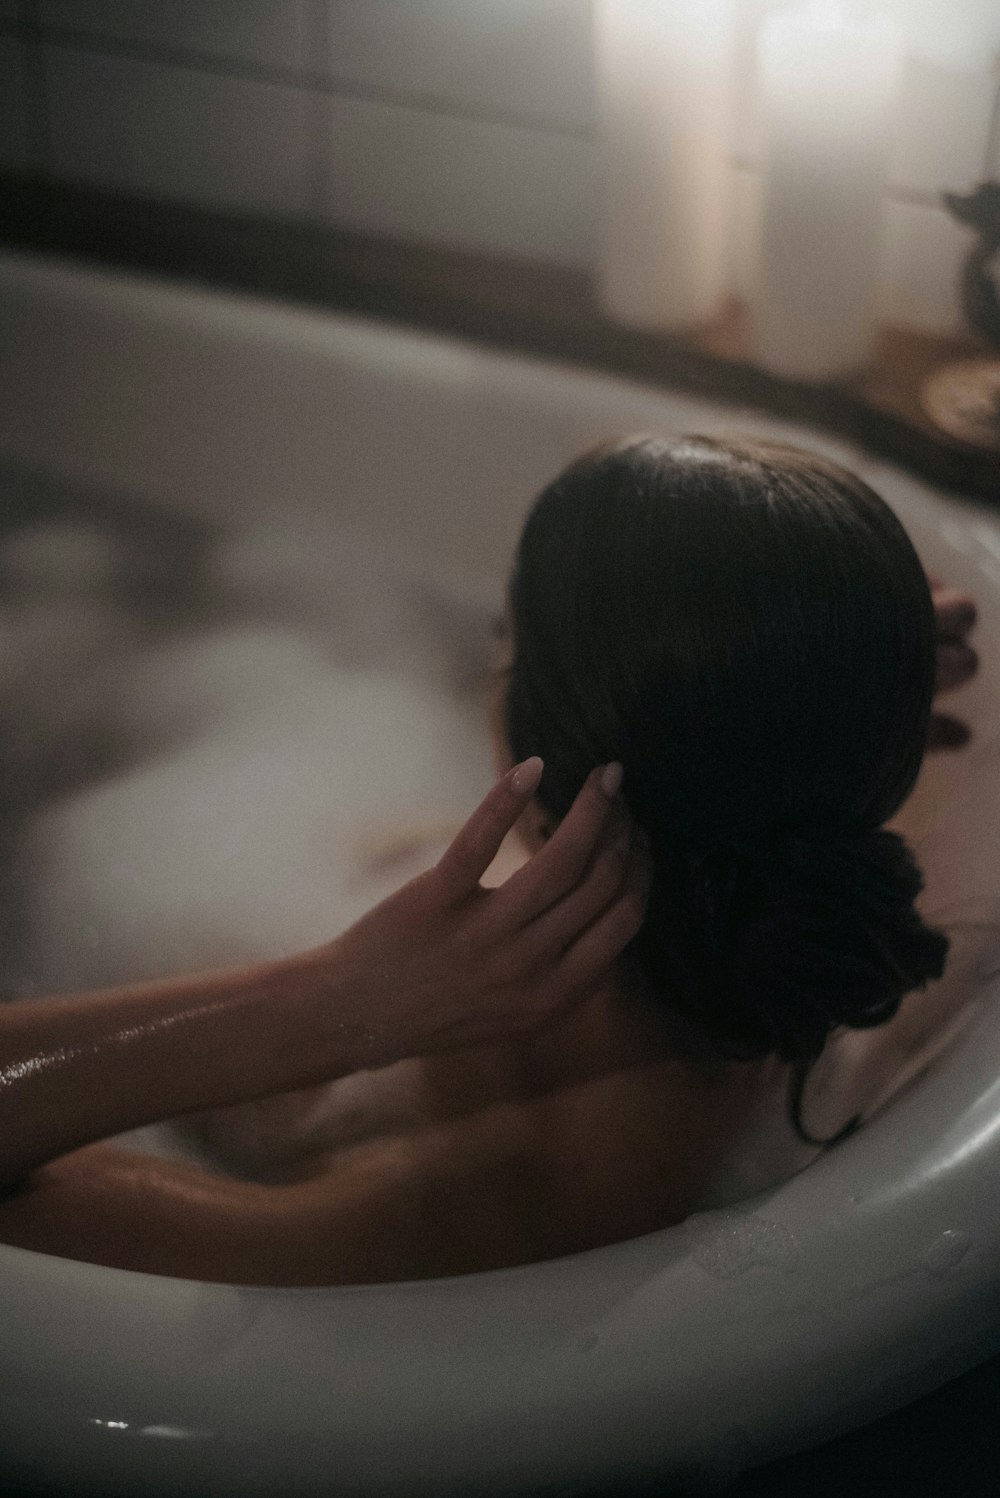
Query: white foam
point(248, 837)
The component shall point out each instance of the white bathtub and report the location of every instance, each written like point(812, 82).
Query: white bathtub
point(683, 1356)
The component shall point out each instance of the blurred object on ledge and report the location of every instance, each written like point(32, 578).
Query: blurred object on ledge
point(664, 75)
point(981, 275)
point(829, 85)
point(964, 398)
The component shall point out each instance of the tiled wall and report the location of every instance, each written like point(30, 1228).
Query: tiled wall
point(454, 121)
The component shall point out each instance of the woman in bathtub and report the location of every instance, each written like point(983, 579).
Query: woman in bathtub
point(747, 630)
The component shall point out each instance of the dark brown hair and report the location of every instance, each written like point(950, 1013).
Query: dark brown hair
point(747, 628)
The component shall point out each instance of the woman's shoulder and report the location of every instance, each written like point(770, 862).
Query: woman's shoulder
point(450, 1197)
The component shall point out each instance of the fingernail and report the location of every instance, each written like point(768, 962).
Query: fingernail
point(527, 775)
point(947, 733)
point(611, 778)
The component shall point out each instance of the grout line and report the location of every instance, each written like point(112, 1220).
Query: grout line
point(325, 83)
point(426, 103)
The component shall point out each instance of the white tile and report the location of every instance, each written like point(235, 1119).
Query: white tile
point(14, 147)
point(176, 132)
point(411, 174)
point(521, 59)
point(924, 250)
point(271, 32)
point(943, 127)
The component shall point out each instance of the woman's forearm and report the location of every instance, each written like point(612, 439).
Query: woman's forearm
point(77, 1069)
point(441, 963)
point(442, 1201)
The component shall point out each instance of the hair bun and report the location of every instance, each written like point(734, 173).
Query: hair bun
point(798, 938)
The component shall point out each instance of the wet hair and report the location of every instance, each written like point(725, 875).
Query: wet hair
point(748, 628)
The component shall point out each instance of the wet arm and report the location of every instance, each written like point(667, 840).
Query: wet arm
point(442, 963)
point(82, 1068)
point(396, 1209)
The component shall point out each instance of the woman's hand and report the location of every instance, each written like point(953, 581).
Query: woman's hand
point(444, 962)
point(957, 662)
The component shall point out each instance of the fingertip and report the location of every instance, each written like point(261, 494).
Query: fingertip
point(955, 612)
point(611, 779)
point(947, 733)
point(527, 776)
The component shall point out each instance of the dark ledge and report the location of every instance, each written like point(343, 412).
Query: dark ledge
point(537, 309)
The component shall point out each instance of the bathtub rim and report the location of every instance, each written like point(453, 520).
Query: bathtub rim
point(905, 1299)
